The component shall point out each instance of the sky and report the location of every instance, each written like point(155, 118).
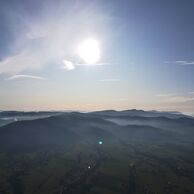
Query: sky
point(146, 55)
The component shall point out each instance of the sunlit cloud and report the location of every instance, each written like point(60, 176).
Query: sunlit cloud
point(68, 65)
point(52, 36)
point(95, 64)
point(24, 77)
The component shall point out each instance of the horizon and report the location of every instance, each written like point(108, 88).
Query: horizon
point(101, 110)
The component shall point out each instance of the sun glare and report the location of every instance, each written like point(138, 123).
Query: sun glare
point(89, 51)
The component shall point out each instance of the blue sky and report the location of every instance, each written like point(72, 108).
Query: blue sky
point(146, 62)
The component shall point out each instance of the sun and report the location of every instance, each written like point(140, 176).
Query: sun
point(89, 51)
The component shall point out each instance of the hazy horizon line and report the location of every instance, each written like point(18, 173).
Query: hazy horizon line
point(77, 110)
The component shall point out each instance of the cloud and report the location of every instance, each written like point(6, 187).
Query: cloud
point(183, 63)
point(68, 65)
point(173, 98)
point(24, 76)
point(180, 99)
point(25, 60)
point(49, 35)
point(165, 95)
point(94, 64)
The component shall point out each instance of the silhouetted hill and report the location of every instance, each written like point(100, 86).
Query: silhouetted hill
point(134, 112)
point(22, 113)
point(71, 128)
point(181, 125)
point(59, 130)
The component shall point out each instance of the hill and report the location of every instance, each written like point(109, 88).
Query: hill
point(104, 152)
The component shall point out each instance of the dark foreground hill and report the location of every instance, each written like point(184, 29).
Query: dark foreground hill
point(63, 130)
point(71, 128)
point(104, 152)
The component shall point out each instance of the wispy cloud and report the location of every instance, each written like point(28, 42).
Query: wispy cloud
point(180, 99)
point(95, 64)
point(24, 77)
point(25, 60)
point(69, 65)
point(51, 35)
point(174, 98)
point(165, 95)
point(183, 62)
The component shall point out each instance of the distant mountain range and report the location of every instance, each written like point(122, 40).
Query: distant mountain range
point(26, 114)
point(132, 112)
point(61, 129)
point(7, 117)
point(142, 113)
